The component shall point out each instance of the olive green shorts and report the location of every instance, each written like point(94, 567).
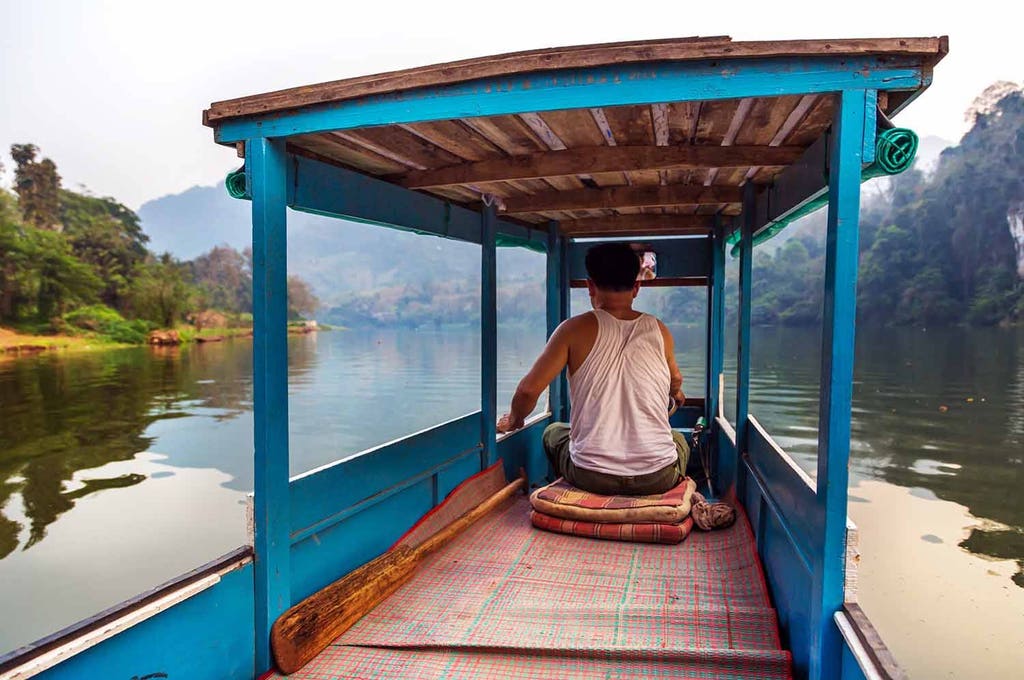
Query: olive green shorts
point(556, 446)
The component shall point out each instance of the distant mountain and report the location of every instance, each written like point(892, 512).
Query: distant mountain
point(342, 260)
point(928, 152)
point(190, 223)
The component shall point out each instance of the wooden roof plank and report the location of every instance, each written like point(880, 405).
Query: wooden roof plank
point(351, 155)
point(601, 160)
point(615, 197)
point(455, 138)
point(929, 50)
point(508, 133)
point(400, 145)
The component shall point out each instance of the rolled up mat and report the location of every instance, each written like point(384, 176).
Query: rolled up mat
point(895, 150)
point(235, 184)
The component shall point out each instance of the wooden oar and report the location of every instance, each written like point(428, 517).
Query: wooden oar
point(309, 627)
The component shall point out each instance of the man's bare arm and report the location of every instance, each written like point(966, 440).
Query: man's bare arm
point(675, 389)
point(547, 367)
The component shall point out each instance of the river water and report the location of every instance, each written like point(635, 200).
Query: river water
point(122, 469)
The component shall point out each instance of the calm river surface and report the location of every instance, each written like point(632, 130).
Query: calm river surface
point(122, 469)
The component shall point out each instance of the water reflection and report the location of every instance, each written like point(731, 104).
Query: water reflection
point(937, 409)
point(64, 414)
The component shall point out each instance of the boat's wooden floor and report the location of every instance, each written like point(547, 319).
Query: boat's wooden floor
point(506, 600)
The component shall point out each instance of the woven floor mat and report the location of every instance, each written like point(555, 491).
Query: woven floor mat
point(366, 663)
point(507, 600)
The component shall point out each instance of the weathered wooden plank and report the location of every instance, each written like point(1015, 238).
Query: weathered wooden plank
point(637, 224)
point(928, 50)
point(615, 197)
point(306, 629)
point(618, 85)
point(597, 159)
point(338, 150)
point(884, 662)
point(456, 138)
point(633, 126)
point(401, 145)
point(580, 128)
point(508, 133)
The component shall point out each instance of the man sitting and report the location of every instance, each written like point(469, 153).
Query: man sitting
point(622, 373)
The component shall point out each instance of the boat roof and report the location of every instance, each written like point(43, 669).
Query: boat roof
point(661, 167)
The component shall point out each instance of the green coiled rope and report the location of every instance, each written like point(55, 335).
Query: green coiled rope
point(895, 150)
point(235, 184)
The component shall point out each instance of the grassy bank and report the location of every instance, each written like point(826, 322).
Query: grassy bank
point(24, 342)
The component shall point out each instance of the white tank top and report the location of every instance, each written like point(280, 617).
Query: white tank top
point(619, 422)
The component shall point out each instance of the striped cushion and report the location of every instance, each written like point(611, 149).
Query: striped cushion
point(561, 499)
point(637, 533)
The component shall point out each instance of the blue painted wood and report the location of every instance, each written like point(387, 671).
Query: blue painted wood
point(267, 173)
point(789, 583)
point(206, 637)
point(525, 449)
point(334, 552)
point(802, 182)
point(746, 301)
point(564, 290)
point(450, 476)
point(726, 456)
point(851, 670)
point(839, 314)
point(684, 256)
point(716, 320)
point(787, 489)
point(555, 314)
point(617, 85)
point(870, 126)
point(488, 334)
point(321, 494)
point(459, 460)
point(323, 189)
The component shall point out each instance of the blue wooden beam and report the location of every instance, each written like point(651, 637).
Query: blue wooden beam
point(716, 320)
point(555, 314)
point(743, 346)
point(323, 189)
point(618, 85)
point(488, 334)
point(807, 179)
point(566, 310)
point(266, 165)
point(677, 257)
point(839, 315)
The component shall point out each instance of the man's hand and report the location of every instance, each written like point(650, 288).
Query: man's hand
point(507, 423)
point(679, 397)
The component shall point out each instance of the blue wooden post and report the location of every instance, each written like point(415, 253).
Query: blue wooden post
point(488, 332)
point(564, 290)
point(848, 141)
point(555, 314)
point(743, 346)
point(716, 319)
point(265, 161)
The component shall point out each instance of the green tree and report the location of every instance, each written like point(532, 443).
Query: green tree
point(107, 236)
point(37, 185)
point(301, 300)
point(161, 292)
point(224, 276)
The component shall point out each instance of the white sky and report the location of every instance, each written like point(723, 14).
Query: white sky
point(113, 91)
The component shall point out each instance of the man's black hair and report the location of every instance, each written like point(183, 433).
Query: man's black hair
point(613, 266)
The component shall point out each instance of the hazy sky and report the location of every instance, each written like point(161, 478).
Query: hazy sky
point(113, 91)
